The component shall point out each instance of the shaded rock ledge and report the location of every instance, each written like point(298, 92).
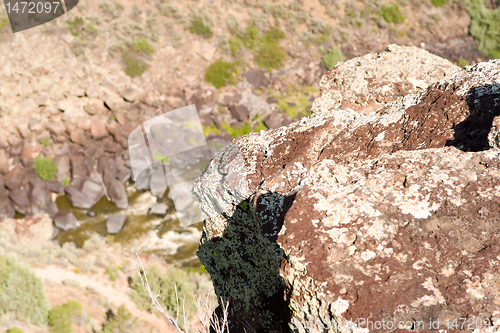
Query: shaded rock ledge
point(392, 215)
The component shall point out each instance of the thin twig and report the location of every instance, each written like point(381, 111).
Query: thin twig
point(212, 322)
point(154, 298)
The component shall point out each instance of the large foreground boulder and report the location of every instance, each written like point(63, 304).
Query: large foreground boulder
point(369, 82)
point(390, 216)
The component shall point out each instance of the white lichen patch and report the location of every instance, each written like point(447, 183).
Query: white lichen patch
point(428, 300)
point(367, 255)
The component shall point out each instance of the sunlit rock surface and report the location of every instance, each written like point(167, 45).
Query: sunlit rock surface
point(391, 215)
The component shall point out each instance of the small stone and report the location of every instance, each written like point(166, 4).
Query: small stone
point(98, 129)
point(65, 220)
point(129, 94)
point(257, 78)
point(239, 112)
point(115, 223)
point(273, 120)
point(43, 100)
point(117, 194)
point(272, 100)
point(159, 209)
point(95, 106)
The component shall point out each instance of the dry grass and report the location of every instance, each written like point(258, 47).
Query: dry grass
point(204, 309)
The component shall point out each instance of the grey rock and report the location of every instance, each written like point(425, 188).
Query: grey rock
point(117, 194)
point(206, 119)
point(85, 192)
point(157, 181)
point(55, 186)
point(39, 196)
point(81, 165)
point(115, 223)
point(6, 208)
point(65, 220)
point(129, 94)
point(21, 200)
point(51, 209)
point(15, 178)
point(273, 120)
point(272, 100)
point(159, 209)
point(63, 167)
point(4, 161)
point(257, 78)
point(239, 112)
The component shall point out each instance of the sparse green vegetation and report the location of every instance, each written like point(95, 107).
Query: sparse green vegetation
point(260, 126)
point(112, 11)
point(391, 13)
point(75, 26)
point(438, 3)
point(122, 322)
point(112, 272)
point(237, 132)
point(332, 57)
point(294, 102)
point(134, 66)
point(485, 27)
point(66, 181)
point(198, 270)
point(160, 157)
point(45, 168)
point(142, 45)
point(170, 10)
point(273, 35)
point(164, 283)
point(221, 73)
point(3, 21)
point(463, 62)
point(45, 142)
point(61, 317)
point(270, 56)
point(318, 26)
point(21, 292)
point(201, 27)
point(234, 26)
point(234, 45)
point(14, 330)
point(250, 37)
point(209, 130)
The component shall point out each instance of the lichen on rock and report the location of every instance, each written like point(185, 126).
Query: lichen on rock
point(391, 215)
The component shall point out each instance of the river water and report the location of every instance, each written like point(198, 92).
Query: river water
point(142, 232)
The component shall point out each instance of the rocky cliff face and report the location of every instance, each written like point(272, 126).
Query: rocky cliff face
point(391, 216)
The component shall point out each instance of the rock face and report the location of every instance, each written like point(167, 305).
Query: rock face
point(115, 223)
point(367, 83)
point(392, 216)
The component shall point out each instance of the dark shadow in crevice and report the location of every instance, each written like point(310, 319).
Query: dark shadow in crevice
point(472, 134)
point(245, 263)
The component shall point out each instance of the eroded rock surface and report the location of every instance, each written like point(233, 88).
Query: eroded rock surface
point(392, 215)
point(367, 83)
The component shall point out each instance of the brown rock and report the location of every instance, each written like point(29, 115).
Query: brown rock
point(98, 128)
point(4, 162)
point(239, 112)
point(129, 94)
point(342, 213)
point(95, 106)
point(367, 83)
point(273, 120)
point(257, 78)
